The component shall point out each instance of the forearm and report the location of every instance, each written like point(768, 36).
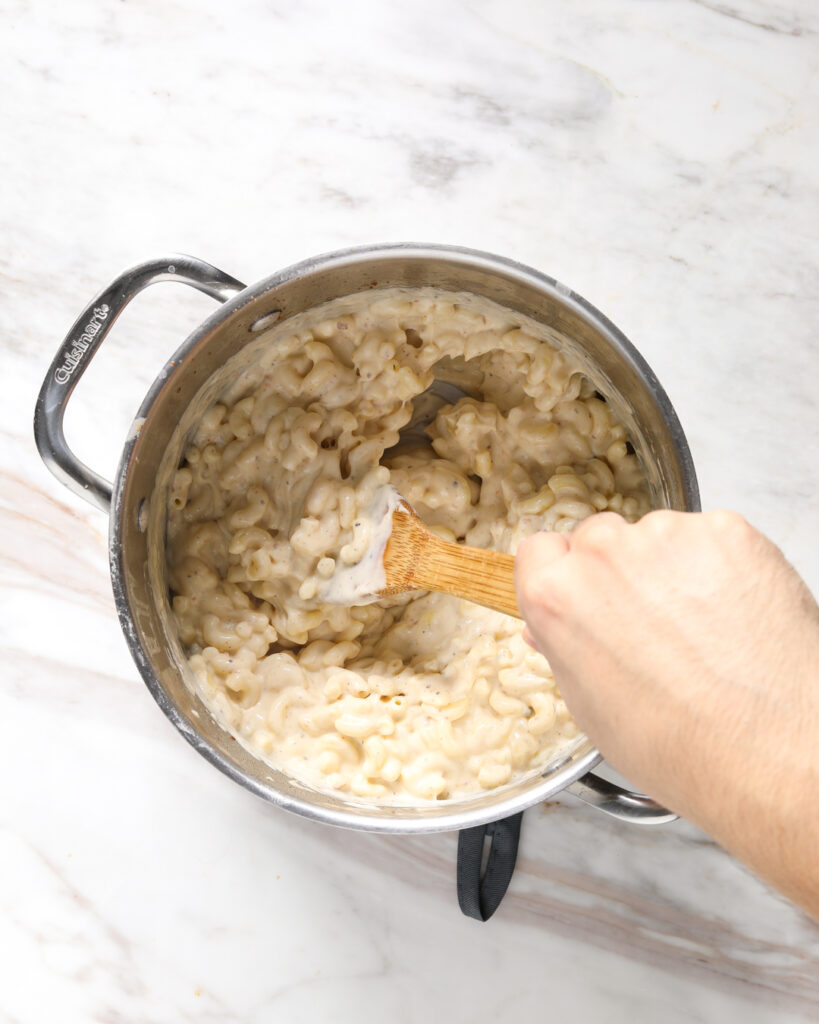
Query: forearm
point(758, 795)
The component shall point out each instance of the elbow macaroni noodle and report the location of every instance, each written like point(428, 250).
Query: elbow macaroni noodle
point(415, 698)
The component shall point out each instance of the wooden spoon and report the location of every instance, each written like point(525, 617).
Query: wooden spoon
point(416, 559)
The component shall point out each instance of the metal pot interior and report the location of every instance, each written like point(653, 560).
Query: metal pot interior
point(196, 375)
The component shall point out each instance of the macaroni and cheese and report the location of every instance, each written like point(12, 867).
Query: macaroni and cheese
point(415, 698)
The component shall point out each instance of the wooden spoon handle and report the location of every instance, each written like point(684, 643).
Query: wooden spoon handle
point(415, 559)
point(485, 577)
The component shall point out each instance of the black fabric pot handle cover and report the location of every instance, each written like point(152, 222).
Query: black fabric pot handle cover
point(480, 893)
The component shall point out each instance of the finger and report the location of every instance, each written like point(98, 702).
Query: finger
point(535, 556)
point(542, 548)
point(600, 528)
point(529, 638)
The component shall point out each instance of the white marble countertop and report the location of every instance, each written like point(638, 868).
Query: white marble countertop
point(660, 158)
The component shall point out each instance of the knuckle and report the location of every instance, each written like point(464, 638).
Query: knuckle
point(598, 533)
point(541, 549)
point(660, 523)
point(730, 525)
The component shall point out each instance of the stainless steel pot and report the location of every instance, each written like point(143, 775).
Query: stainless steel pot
point(136, 501)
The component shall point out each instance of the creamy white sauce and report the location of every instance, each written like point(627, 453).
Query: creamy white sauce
point(362, 582)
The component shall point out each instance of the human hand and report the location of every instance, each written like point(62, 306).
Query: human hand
point(687, 649)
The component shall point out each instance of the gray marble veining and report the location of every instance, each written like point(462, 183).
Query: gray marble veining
point(658, 157)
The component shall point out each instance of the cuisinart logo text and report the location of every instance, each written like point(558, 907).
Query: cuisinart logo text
point(73, 356)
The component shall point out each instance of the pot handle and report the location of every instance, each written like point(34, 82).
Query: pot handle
point(618, 802)
point(78, 348)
